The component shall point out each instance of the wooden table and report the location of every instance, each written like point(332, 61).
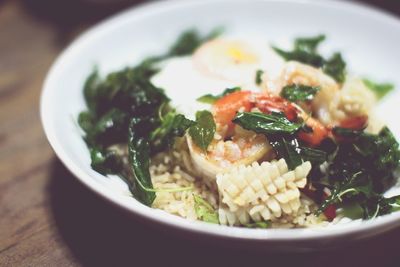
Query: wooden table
point(47, 218)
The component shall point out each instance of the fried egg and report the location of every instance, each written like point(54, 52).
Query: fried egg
point(216, 65)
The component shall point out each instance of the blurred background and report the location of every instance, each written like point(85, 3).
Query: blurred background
point(47, 218)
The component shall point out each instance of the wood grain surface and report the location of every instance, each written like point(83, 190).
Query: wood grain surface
point(47, 218)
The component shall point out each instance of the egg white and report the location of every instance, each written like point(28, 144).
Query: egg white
point(183, 81)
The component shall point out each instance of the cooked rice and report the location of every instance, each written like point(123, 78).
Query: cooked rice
point(174, 170)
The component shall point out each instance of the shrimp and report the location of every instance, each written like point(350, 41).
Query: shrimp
point(242, 148)
point(233, 145)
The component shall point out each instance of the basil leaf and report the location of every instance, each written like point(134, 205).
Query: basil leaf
point(173, 125)
point(259, 74)
point(211, 99)
point(204, 210)
point(309, 44)
point(274, 123)
point(105, 161)
point(335, 67)
point(298, 92)
point(380, 89)
point(203, 131)
point(315, 156)
point(139, 160)
point(287, 149)
point(306, 51)
point(261, 225)
point(190, 40)
point(346, 132)
point(301, 56)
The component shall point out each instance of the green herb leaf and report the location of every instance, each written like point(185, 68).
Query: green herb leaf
point(90, 89)
point(261, 225)
point(346, 132)
point(363, 171)
point(210, 99)
point(336, 68)
point(259, 74)
point(109, 129)
point(309, 44)
point(173, 125)
point(139, 159)
point(85, 120)
point(301, 56)
point(297, 92)
point(204, 210)
point(380, 89)
point(275, 123)
point(287, 149)
point(190, 40)
point(203, 131)
point(105, 161)
point(306, 51)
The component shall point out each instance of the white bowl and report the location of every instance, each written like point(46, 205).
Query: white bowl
point(369, 40)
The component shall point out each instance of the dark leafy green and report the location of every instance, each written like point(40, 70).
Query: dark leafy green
point(306, 51)
point(335, 67)
point(310, 44)
point(363, 170)
point(280, 133)
point(275, 123)
point(210, 99)
point(346, 132)
point(295, 153)
point(380, 89)
point(189, 40)
point(379, 205)
point(298, 92)
point(260, 225)
point(259, 74)
point(139, 160)
point(172, 125)
point(105, 161)
point(125, 107)
point(203, 131)
point(204, 210)
point(301, 56)
point(287, 149)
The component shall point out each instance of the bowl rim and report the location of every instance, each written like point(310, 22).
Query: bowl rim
point(135, 207)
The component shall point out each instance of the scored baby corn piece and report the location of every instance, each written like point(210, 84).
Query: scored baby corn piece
point(260, 191)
